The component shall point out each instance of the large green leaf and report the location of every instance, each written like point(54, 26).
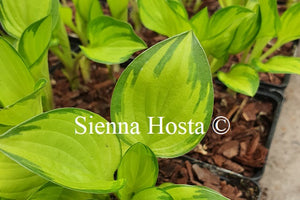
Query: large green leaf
point(17, 15)
point(51, 191)
point(16, 81)
point(246, 32)
point(172, 80)
point(54, 146)
point(270, 21)
point(139, 167)
point(119, 9)
point(153, 193)
point(242, 78)
point(290, 24)
point(200, 23)
point(111, 41)
point(280, 64)
point(16, 182)
point(165, 17)
point(225, 3)
point(222, 28)
point(184, 192)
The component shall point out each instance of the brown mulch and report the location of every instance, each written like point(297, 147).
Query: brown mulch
point(241, 149)
point(179, 171)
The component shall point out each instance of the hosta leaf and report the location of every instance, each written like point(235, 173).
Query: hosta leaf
point(222, 28)
point(16, 81)
point(55, 192)
point(88, 9)
point(242, 78)
point(17, 15)
point(153, 193)
point(200, 23)
point(280, 64)
point(270, 21)
point(16, 182)
point(246, 33)
point(119, 9)
point(178, 7)
point(23, 109)
point(139, 167)
point(225, 3)
point(111, 41)
point(182, 192)
point(164, 17)
point(67, 16)
point(49, 146)
point(35, 40)
point(172, 80)
point(290, 24)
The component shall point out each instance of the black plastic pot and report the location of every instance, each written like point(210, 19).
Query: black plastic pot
point(280, 88)
point(250, 188)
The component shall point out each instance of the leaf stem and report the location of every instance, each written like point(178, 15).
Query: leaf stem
point(270, 51)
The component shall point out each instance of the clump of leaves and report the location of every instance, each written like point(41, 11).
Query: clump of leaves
point(83, 166)
point(244, 27)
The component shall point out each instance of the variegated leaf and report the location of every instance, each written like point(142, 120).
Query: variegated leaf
point(242, 78)
point(171, 80)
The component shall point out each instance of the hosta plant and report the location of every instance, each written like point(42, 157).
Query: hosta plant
point(104, 39)
point(235, 29)
point(75, 152)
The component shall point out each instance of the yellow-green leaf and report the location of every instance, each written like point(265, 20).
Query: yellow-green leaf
point(111, 41)
point(119, 9)
point(152, 193)
point(290, 25)
point(55, 146)
point(139, 167)
point(165, 17)
point(280, 64)
point(170, 82)
point(242, 78)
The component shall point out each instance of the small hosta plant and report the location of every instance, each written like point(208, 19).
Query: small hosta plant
point(234, 29)
point(78, 152)
point(104, 39)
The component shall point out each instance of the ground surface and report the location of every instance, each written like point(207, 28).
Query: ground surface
point(281, 179)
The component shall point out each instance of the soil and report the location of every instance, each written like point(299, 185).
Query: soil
point(242, 149)
point(181, 171)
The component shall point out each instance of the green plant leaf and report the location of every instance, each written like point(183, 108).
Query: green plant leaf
point(222, 28)
point(16, 81)
point(139, 167)
point(27, 107)
point(119, 9)
point(51, 191)
point(66, 15)
point(200, 23)
point(225, 3)
point(280, 64)
point(35, 40)
point(88, 9)
point(165, 17)
point(242, 78)
point(246, 32)
point(182, 192)
point(16, 182)
point(290, 24)
point(153, 193)
point(53, 146)
point(172, 80)
point(270, 21)
point(111, 41)
point(17, 15)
